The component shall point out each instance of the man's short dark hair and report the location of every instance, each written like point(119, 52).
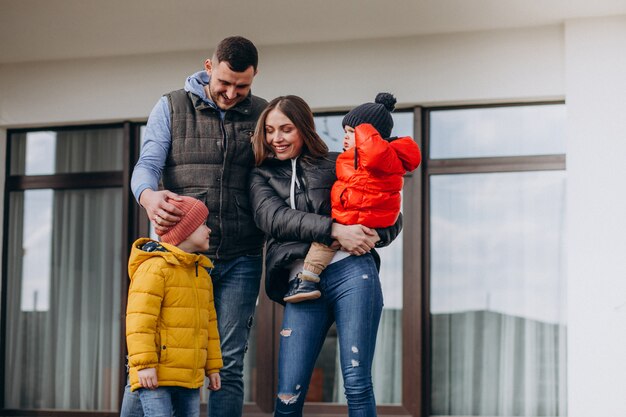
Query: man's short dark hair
point(238, 52)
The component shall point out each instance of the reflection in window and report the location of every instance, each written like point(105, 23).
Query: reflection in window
point(327, 382)
point(498, 131)
point(66, 151)
point(36, 250)
point(40, 153)
point(498, 294)
point(63, 275)
point(66, 355)
point(330, 130)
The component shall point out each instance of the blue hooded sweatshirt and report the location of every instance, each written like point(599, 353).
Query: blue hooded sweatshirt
point(158, 137)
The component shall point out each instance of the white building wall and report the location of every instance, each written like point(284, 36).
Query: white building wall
point(485, 66)
point(90, 90)
point(518, 64)
point(595, 62)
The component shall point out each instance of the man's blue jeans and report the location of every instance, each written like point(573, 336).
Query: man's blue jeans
point(235, 288)
point(351, 297)
point(170, 401)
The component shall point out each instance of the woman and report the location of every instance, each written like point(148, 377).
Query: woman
point(290, 192)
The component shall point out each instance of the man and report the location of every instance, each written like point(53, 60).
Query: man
point(197, 140)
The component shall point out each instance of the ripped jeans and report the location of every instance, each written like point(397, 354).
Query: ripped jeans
point(351, 297)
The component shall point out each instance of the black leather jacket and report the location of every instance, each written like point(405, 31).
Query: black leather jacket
point(291, 232)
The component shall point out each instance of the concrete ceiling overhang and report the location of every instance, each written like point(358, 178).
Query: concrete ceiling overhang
point(41, 30)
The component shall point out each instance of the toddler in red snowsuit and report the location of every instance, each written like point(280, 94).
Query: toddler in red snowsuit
point(369, 180)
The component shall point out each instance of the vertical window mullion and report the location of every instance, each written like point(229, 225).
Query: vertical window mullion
point(86, 186)
point(495, 172)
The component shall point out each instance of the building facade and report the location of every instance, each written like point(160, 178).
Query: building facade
point(504, 294)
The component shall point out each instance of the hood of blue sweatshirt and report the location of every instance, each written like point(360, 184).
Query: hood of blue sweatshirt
point(195, 84)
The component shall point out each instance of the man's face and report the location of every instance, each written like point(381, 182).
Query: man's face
point(227, 87)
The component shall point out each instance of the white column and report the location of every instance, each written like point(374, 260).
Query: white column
point(595, 66)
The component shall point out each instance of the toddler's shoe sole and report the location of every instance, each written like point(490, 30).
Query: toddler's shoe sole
point(304, 296)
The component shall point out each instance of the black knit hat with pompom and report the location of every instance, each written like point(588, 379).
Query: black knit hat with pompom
point(378, 114)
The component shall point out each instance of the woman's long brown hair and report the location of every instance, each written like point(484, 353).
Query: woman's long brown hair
point(300, 114)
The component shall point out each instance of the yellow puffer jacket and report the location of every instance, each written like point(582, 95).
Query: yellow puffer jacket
point(171, 323)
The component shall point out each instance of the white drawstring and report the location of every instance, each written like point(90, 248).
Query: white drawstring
point(294, 180)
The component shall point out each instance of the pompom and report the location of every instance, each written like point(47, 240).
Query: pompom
point(387, 100)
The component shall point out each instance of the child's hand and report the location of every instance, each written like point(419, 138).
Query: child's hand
point(335, 245)
point(148, 378)
point(215, 382)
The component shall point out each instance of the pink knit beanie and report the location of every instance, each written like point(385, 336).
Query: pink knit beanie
point(195, 214)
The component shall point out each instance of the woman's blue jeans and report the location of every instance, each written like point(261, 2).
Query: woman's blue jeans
point(351, 297)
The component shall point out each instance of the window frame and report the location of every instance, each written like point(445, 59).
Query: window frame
point(69, 181)
point(473, 165)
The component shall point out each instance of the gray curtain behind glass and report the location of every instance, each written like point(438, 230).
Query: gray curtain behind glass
point(67, 357)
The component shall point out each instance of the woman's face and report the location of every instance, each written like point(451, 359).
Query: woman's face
point(282, 136)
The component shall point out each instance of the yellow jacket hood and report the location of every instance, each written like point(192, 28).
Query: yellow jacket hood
point(172, 255)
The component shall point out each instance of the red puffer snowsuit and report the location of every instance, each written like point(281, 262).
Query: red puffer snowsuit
point(370, 194)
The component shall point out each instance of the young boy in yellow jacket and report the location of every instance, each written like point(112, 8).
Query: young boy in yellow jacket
point(171, 325)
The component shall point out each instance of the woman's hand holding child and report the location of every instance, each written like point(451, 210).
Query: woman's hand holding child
point(355, 239)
